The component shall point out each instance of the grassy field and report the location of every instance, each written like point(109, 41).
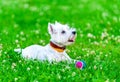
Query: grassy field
point(24, 22)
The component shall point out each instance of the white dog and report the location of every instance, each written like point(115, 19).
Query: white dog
point(61, 36)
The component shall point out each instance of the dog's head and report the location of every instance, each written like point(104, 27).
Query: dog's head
point(61, 34)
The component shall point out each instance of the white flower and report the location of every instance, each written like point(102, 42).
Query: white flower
point(73, 74)
point(17, 36)
point(23, 38)
point(78, 57)
point(87, 54)
point(96, 43)
point(81, 35)
point(63, 70)
point(95, 67)
point(21, 33)
point(15, 79)
point(67, 67)
point(115, 18)
point(88, 25)
point(90, 35)
point(106, 41)
point(101, 53)
point(33, 8)
point(117, 39)
point(114, 80)
point(15, 25)
point(104, 14)
point(18, 45)
point(35, 81)
point(42, 41)
point(59, 76)
point(16, 41)
point(107, 80)
point(38, 68)
point(0, 46)
point(92, 52)
point(26, 6)
point(101, 67)
point(104, 34)
point(5, 52)
point(65, 8)
point(37, 32)
point(0, 52)
point(13, 65)
point(4, 61)
point(19, 61)
point(46, 8)
point(28, 69)
point(106, 55)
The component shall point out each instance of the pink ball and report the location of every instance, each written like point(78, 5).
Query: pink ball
point(79, 64)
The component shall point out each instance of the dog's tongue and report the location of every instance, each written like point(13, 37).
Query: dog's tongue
point(71, 39)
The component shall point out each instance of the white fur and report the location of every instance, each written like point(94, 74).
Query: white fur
point(58, 37)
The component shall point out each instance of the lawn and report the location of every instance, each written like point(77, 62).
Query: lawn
point(24, 22)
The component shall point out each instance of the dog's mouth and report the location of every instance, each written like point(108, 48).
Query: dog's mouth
point(71, 39)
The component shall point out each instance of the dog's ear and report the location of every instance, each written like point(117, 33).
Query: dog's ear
point(50, 28)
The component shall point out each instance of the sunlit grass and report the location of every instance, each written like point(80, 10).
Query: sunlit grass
point(24, 22)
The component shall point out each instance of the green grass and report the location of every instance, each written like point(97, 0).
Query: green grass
point(24, 22)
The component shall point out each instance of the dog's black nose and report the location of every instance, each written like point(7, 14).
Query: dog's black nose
point(74, 32)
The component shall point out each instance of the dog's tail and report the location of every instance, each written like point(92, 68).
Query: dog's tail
point(19, 50)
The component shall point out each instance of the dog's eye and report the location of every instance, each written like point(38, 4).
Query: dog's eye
point(63, 32)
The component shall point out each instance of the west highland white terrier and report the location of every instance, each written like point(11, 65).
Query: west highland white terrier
point(61, 36)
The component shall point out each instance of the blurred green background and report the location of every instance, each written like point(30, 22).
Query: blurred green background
point(24, 22)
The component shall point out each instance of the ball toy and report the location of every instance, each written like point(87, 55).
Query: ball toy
point(80, 64)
